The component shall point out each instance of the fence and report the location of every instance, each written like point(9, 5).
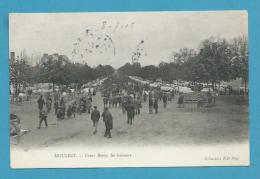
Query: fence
point(190, 101)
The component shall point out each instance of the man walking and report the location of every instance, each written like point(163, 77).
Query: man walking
point(164, 100)
point(41, 103)
point(108, 120)
point(95, 115)
point(130, 110)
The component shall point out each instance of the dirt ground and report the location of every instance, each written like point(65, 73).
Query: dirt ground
point(226, 123)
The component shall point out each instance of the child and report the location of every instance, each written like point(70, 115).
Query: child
point(43, 117)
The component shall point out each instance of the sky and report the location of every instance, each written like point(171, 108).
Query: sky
point(112, 38)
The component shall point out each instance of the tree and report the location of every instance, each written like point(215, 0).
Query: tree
point(149, 72)
point(103, 71)
point(55, 69)
point(136, 68)
point(126, 70)
point(213, 56)
point(183, 55)
point(20, 73)
point(239, 58)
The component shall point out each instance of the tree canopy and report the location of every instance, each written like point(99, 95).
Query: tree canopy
point(216, 59)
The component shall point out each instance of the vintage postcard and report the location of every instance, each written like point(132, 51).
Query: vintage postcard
point(129, 89)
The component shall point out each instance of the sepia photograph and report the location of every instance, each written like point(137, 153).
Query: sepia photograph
point(129, 89)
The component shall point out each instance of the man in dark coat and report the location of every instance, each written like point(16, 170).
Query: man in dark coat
point(105, 101)
point(61, 109)
point(181, 101)
point(95, 115)
point(108, 120)
point(74, 108)
point(150, 105)
point(41, 103)
point(164, 100)
point(145, 96)
point(130, 110)
point(139, 104)
point(155, 105)
point(69, 111)
point(56, 106)
point(124, 104)
point(88, 105)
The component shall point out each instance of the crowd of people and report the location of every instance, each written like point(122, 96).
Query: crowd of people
point(66, 107)
point(130, 96)
point(126, 96)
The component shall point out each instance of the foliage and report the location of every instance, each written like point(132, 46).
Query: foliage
point(217, 59)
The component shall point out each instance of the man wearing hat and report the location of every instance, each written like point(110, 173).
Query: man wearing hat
point(108, 120)
point(95, 115)
point(41, 103)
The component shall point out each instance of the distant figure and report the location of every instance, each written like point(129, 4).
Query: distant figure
point(56, 106)
point(43, 117)
point(210, 98)
point(110, 102)
point(105, 101)
point(160, 95)
point(48, 103)
point(169, 96)
point(41, 103)
point(130, 110)
point(150, 105)
point(56, 96)
point(115, 101)
point(108, 120)
point(95, 115)
point(124, 104)
point(135, 106)
point(69, 111)
point(61, 109)
point(145, 96)
point(82, 106)
point(119, 101)
point(164, 98)
point(214, 95)
point(155, 105)
point(29, 94)
point(74, 108)
point(139, 104)
point(172, 94)
point(88, 105)
point(180, 101)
